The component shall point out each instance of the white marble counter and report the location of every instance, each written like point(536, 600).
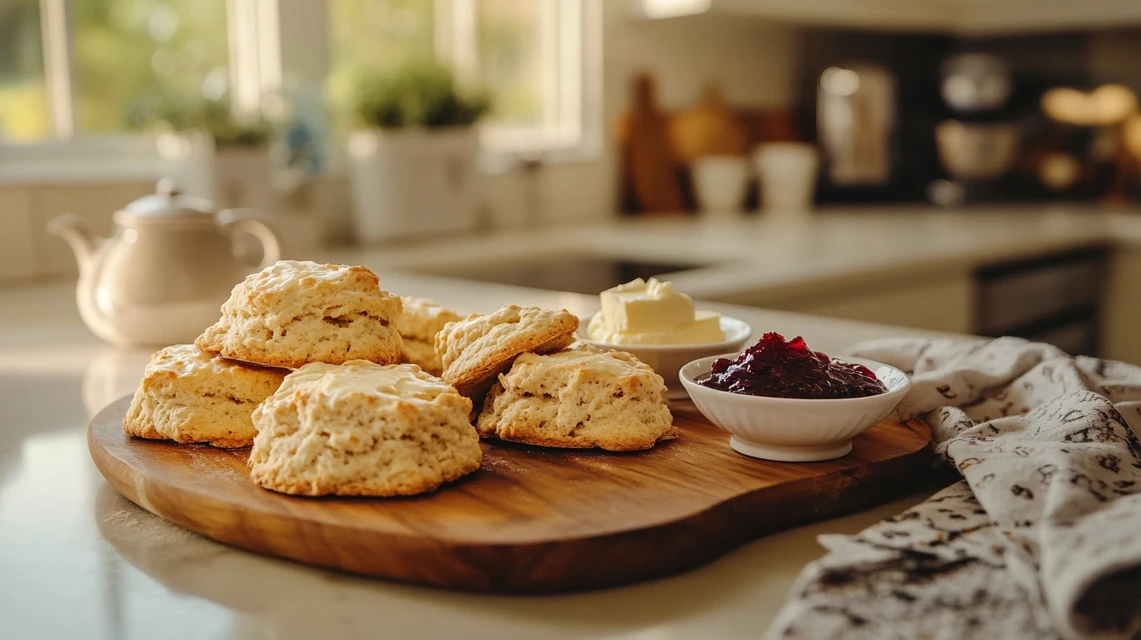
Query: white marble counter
point(79, 561)
point(755, 258)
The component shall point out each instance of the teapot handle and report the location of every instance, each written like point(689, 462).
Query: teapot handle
point(232, 221)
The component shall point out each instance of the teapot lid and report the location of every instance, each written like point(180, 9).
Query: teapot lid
point(169, 202)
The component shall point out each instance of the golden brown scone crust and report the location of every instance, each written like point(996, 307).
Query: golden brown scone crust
point(475, 350)
point(189, 395)
point(361, 429)
point(579, 398)
point(293, 313)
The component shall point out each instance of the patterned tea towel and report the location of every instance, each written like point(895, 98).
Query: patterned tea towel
point(1041, 538)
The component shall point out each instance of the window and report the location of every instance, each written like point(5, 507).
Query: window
point(130, 53)
point(511, 58)
point(88, 67)
point(80, 67)
point(23, 89)
point(528, 55)
point(374, 36)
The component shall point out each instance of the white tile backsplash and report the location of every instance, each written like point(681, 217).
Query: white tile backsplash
point(95, 203)
point(15, 234)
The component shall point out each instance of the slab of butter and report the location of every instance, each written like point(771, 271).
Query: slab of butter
point(641, 312)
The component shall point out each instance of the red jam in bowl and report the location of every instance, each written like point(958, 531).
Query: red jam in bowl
point(778, 368)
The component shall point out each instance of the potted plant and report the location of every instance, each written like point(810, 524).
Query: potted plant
point(413, 164)
point(241, 169)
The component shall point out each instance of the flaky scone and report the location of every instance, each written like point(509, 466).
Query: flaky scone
point(361, 429)
point(475, 350)
point(418, 325)
point(293, 313)
point(579, 398)
point(189, 395)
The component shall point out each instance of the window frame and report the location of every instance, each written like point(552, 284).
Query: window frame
point(266, 38)
point(575, 89)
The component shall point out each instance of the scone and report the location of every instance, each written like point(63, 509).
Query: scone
point(361, 429)
point(418, 325)
point(293, 313)
point(189, 395)
point(579, 398)
point(475, 350)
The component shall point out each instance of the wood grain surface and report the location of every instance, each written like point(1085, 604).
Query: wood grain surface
point(531, 520)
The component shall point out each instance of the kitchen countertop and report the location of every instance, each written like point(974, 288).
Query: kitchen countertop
point(753, 258)
point(78, 560)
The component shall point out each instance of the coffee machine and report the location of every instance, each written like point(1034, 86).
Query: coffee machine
point(977, 143)
point(856, 121)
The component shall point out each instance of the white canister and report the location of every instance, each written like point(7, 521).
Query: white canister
point(720, 183)
point(787, 172)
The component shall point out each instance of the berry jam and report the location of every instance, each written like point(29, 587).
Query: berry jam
point(778, 368)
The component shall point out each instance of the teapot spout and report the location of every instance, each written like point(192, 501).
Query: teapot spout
point(78, 235)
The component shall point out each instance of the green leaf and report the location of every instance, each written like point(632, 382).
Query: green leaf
point(417, 93)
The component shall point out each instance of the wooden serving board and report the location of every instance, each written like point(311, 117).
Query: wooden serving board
point(531, 520)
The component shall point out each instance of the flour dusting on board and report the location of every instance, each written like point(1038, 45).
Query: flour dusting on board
point(503, 465)
point(207, 460)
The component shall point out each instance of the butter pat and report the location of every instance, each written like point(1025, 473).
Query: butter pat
point(705, 327)
point(645, 307)
point(641, 312)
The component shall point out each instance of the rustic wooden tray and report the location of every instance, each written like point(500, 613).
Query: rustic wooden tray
point(531, 520)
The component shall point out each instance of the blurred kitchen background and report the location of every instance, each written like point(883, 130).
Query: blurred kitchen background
point(401, 129)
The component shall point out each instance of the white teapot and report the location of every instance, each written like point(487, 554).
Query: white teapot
point(164, 274)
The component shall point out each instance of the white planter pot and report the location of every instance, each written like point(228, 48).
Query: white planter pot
point(188, 158)
point(414, 182)
point(242, 178)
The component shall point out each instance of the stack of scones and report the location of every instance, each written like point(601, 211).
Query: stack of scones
point(342, 388)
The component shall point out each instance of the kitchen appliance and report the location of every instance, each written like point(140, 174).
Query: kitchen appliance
point(974, 82)
point(977, 151)
point(978, 146)
point(856, 120)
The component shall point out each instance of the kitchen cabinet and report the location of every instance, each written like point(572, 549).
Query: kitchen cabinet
point(959, 17)
point(938, 301)
point(1060, 298)
point(1057, 298)
point(1121, 322)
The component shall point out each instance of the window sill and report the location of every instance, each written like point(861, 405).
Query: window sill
point(85, 160)
point(78, 172)
point(133, 158)
point(497, 162)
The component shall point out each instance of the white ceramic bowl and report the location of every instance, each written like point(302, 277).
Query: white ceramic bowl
point(793, 429)
point(667, 359)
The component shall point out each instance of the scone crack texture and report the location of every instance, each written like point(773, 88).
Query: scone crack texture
point(478, 348)
point(296, 312)
point(192, 396)
point(418, 325)
point(362, 429)
point(581, 397)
